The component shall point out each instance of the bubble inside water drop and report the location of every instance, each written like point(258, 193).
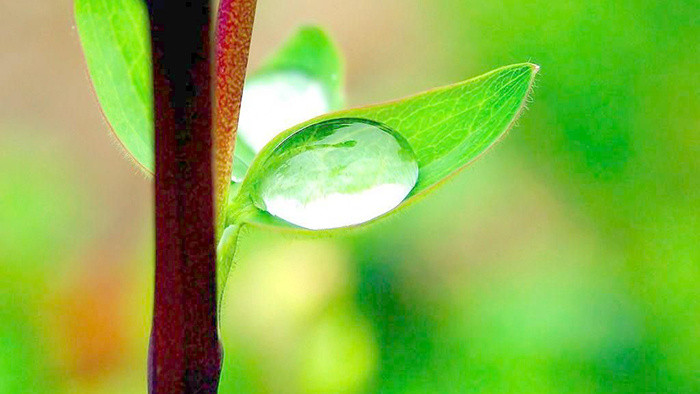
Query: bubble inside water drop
point(337, 173)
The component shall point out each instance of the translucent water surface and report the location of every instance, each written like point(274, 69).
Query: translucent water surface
point(337, 173)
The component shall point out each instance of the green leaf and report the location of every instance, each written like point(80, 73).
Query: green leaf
point(242, 157)
point(310, 51)
point(116, 44)
point(115, 40)
point(301, 80)
point(447, 128)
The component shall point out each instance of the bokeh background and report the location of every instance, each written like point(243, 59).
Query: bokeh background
point(566, 260)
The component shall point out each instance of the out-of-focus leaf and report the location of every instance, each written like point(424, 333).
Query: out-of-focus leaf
point(311, 51)
point(301, 80)
point(115, 39)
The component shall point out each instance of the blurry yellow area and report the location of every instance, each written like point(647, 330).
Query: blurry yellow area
point(566, 260)
point(291, 317)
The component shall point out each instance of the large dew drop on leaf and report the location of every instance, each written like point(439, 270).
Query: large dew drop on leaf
point(337, 173)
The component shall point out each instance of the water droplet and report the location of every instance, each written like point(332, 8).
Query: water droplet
point(273, 103)
point(337, 173)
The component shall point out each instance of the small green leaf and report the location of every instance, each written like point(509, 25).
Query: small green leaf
point(242, 158)
point(310, 51)
point(447, 128)
point(303, 79)
point(115, 39)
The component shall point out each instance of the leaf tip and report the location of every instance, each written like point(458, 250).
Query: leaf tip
point(312, 30)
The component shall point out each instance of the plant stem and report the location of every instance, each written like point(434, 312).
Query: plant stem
point(185, 355)
point(234, 26)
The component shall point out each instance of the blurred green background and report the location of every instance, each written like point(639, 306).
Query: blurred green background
point(566, 260)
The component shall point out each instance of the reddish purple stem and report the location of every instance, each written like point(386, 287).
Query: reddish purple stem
point(184, 355)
